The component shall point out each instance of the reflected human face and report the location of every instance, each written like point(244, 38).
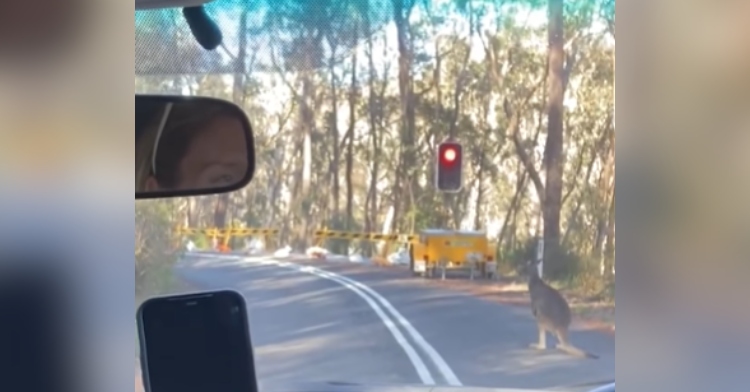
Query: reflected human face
point(216, 158)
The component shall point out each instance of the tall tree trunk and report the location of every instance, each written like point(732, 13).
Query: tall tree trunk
point(220, 210)
point(515, 203)
point(353, 101)
point(371, 213)
point(192, 218)
point(335, 163)
point(605, 184)
point(455, 200)
point(371, 208)
point(405, 182)
point(238, 95)
point(480, 194)
point(609, 248)
point(553, 152)
point(306, 128)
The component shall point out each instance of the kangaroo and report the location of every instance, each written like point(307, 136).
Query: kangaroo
point(552, 314)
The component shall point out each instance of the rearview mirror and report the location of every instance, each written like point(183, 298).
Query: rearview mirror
point(189, 146)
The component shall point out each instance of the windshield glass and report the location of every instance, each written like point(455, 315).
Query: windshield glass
point(355, 265)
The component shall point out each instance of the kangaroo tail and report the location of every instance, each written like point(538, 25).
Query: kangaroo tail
point(577, 352)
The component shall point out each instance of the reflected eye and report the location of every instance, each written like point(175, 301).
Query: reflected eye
point(221, 175)
point(223, 179)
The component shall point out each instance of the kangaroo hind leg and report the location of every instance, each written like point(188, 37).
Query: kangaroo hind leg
point(563, 344)
point(542, 343)
point(562, 337)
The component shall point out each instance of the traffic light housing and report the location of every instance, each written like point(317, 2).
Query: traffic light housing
point(448, 173)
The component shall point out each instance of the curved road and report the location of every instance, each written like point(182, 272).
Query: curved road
point(322, 322)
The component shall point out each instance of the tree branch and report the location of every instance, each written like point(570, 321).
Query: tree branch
point(514, 126)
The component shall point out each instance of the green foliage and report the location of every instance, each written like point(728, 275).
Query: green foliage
point(569, 264)
point(154, 255)
point(428, 214)
point(566, 264)
point(253, 218)
point(338, 222)
point(201, 241)
point(513, 261)
point(508, 58)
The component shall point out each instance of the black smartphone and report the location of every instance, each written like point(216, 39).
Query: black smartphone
point(196, 343)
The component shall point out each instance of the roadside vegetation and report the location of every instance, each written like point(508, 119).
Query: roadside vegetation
point(348, 101)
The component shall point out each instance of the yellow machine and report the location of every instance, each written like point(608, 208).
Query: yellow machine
point(447, 249)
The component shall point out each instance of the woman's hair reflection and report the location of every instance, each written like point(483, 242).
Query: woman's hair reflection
point(191, 145)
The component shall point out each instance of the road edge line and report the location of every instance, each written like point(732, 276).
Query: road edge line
point(445, 369)
point(423, 372)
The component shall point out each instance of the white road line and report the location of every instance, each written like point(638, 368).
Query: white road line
point(442, 366)
point(438, 360)
point(419, 365)
point(360, 289)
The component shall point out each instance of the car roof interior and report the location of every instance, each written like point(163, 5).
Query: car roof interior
point(156, 4)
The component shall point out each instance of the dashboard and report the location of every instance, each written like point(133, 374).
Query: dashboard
point(352, 387)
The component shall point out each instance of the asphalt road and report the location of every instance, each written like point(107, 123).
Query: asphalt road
point(345, 323)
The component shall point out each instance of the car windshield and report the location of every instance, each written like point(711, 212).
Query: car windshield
point(414, 160)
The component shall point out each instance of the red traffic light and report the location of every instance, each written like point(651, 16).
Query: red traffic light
point(448, 174)
point(449, 153)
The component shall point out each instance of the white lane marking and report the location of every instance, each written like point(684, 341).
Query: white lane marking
point(446, 371)
point(416, 360)
point(448, 374)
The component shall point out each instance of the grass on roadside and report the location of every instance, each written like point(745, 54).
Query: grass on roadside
point(157, 279)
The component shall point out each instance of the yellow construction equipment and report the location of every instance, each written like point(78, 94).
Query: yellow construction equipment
point(446, 249)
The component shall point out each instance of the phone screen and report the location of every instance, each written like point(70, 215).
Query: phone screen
point(197, 343)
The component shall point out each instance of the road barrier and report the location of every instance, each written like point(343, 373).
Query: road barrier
point(320, 236)
point(223, 236)
point(233, 231)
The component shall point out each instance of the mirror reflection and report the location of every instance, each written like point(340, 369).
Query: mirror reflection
point(184, 145)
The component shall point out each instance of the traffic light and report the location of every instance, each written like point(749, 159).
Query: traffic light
point(448, 176)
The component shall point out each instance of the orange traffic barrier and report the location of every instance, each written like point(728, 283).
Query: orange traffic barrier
point(223, 248)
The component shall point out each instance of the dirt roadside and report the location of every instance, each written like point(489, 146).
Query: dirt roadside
point(588, 314)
